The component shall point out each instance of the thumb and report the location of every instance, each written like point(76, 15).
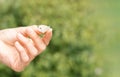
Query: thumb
point(48, 35)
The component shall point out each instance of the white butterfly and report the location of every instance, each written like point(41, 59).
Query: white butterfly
point(43, 28)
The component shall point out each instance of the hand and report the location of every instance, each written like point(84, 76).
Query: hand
point(19, 46)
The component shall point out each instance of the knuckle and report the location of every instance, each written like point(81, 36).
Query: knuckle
point(43, 48)
point(34, 53)
point(17, 68)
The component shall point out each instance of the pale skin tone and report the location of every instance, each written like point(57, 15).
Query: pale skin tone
point(19, 46)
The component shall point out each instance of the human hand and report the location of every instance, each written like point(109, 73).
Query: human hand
point(19, 46)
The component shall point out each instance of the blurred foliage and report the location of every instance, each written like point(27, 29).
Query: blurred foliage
point(71, 52)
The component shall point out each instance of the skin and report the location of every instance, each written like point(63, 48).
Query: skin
point(19, 46)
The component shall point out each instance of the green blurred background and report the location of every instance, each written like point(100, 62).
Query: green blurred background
point(85, 39)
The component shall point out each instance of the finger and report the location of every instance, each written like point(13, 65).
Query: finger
point(28, 45)
point(40, 45)
point(22, 52)
point(47, 37)
point(23, 29)
point(35, 28)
